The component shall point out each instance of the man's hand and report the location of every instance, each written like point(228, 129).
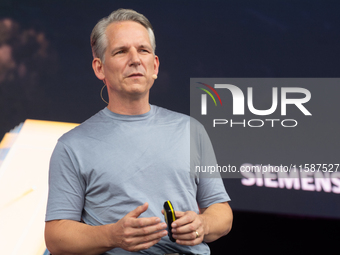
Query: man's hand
point(213, 222)
point(129, 233)
point(134, 234)
point(188, 229)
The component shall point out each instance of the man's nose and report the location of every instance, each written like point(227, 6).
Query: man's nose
point(134, 57)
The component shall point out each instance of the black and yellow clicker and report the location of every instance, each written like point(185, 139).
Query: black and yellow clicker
point(170, 217)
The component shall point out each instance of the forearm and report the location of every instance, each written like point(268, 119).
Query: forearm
point(71, 237)
point(217, 221)
point(129, 233)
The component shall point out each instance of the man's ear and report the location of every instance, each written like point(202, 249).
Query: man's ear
point(156, 65)
point(98, 68)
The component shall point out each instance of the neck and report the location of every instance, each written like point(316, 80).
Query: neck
point(129, 106)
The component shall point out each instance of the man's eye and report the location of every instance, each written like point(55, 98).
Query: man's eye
point(119, 52)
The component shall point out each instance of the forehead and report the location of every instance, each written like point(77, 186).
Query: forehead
point(127, 32)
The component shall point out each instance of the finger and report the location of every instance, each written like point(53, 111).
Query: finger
point(138, 211)
point(189, 236)
point(190, 239)
point(179, 214)
point(149, 230)
point(184, 219)
point(144, 246)
point(187, 229)
point(190, 242)
point(146, 241)
point(142, 222)
point(150, 236)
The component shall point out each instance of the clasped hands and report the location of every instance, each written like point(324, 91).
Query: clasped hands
point(133, 234)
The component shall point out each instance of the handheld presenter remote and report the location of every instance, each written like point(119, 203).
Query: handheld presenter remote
point(169, 215)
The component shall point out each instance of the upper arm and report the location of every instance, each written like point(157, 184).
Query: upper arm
point(210, 187)
point(66, 187)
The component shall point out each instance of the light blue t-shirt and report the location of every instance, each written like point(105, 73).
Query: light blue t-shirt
point(112, 163)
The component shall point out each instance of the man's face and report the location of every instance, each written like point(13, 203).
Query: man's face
point(129, 60)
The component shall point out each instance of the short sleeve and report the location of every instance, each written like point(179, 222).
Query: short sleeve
point(66, 186)
point(210, 188)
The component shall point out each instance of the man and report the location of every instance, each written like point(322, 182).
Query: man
point(110, 176)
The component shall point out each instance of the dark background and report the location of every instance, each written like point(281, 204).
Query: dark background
point(46, 74)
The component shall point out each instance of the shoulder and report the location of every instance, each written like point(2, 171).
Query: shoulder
point(170, 116)
point(160, 111)
point(87, 129)
point(165, 114)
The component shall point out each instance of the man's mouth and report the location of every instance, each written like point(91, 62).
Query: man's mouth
point(134, 75)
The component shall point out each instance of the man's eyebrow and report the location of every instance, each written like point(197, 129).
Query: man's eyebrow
point(145, 46)
point(118, 48)
point(141, 46)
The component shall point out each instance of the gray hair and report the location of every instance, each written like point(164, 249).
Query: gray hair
point(99, 40)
